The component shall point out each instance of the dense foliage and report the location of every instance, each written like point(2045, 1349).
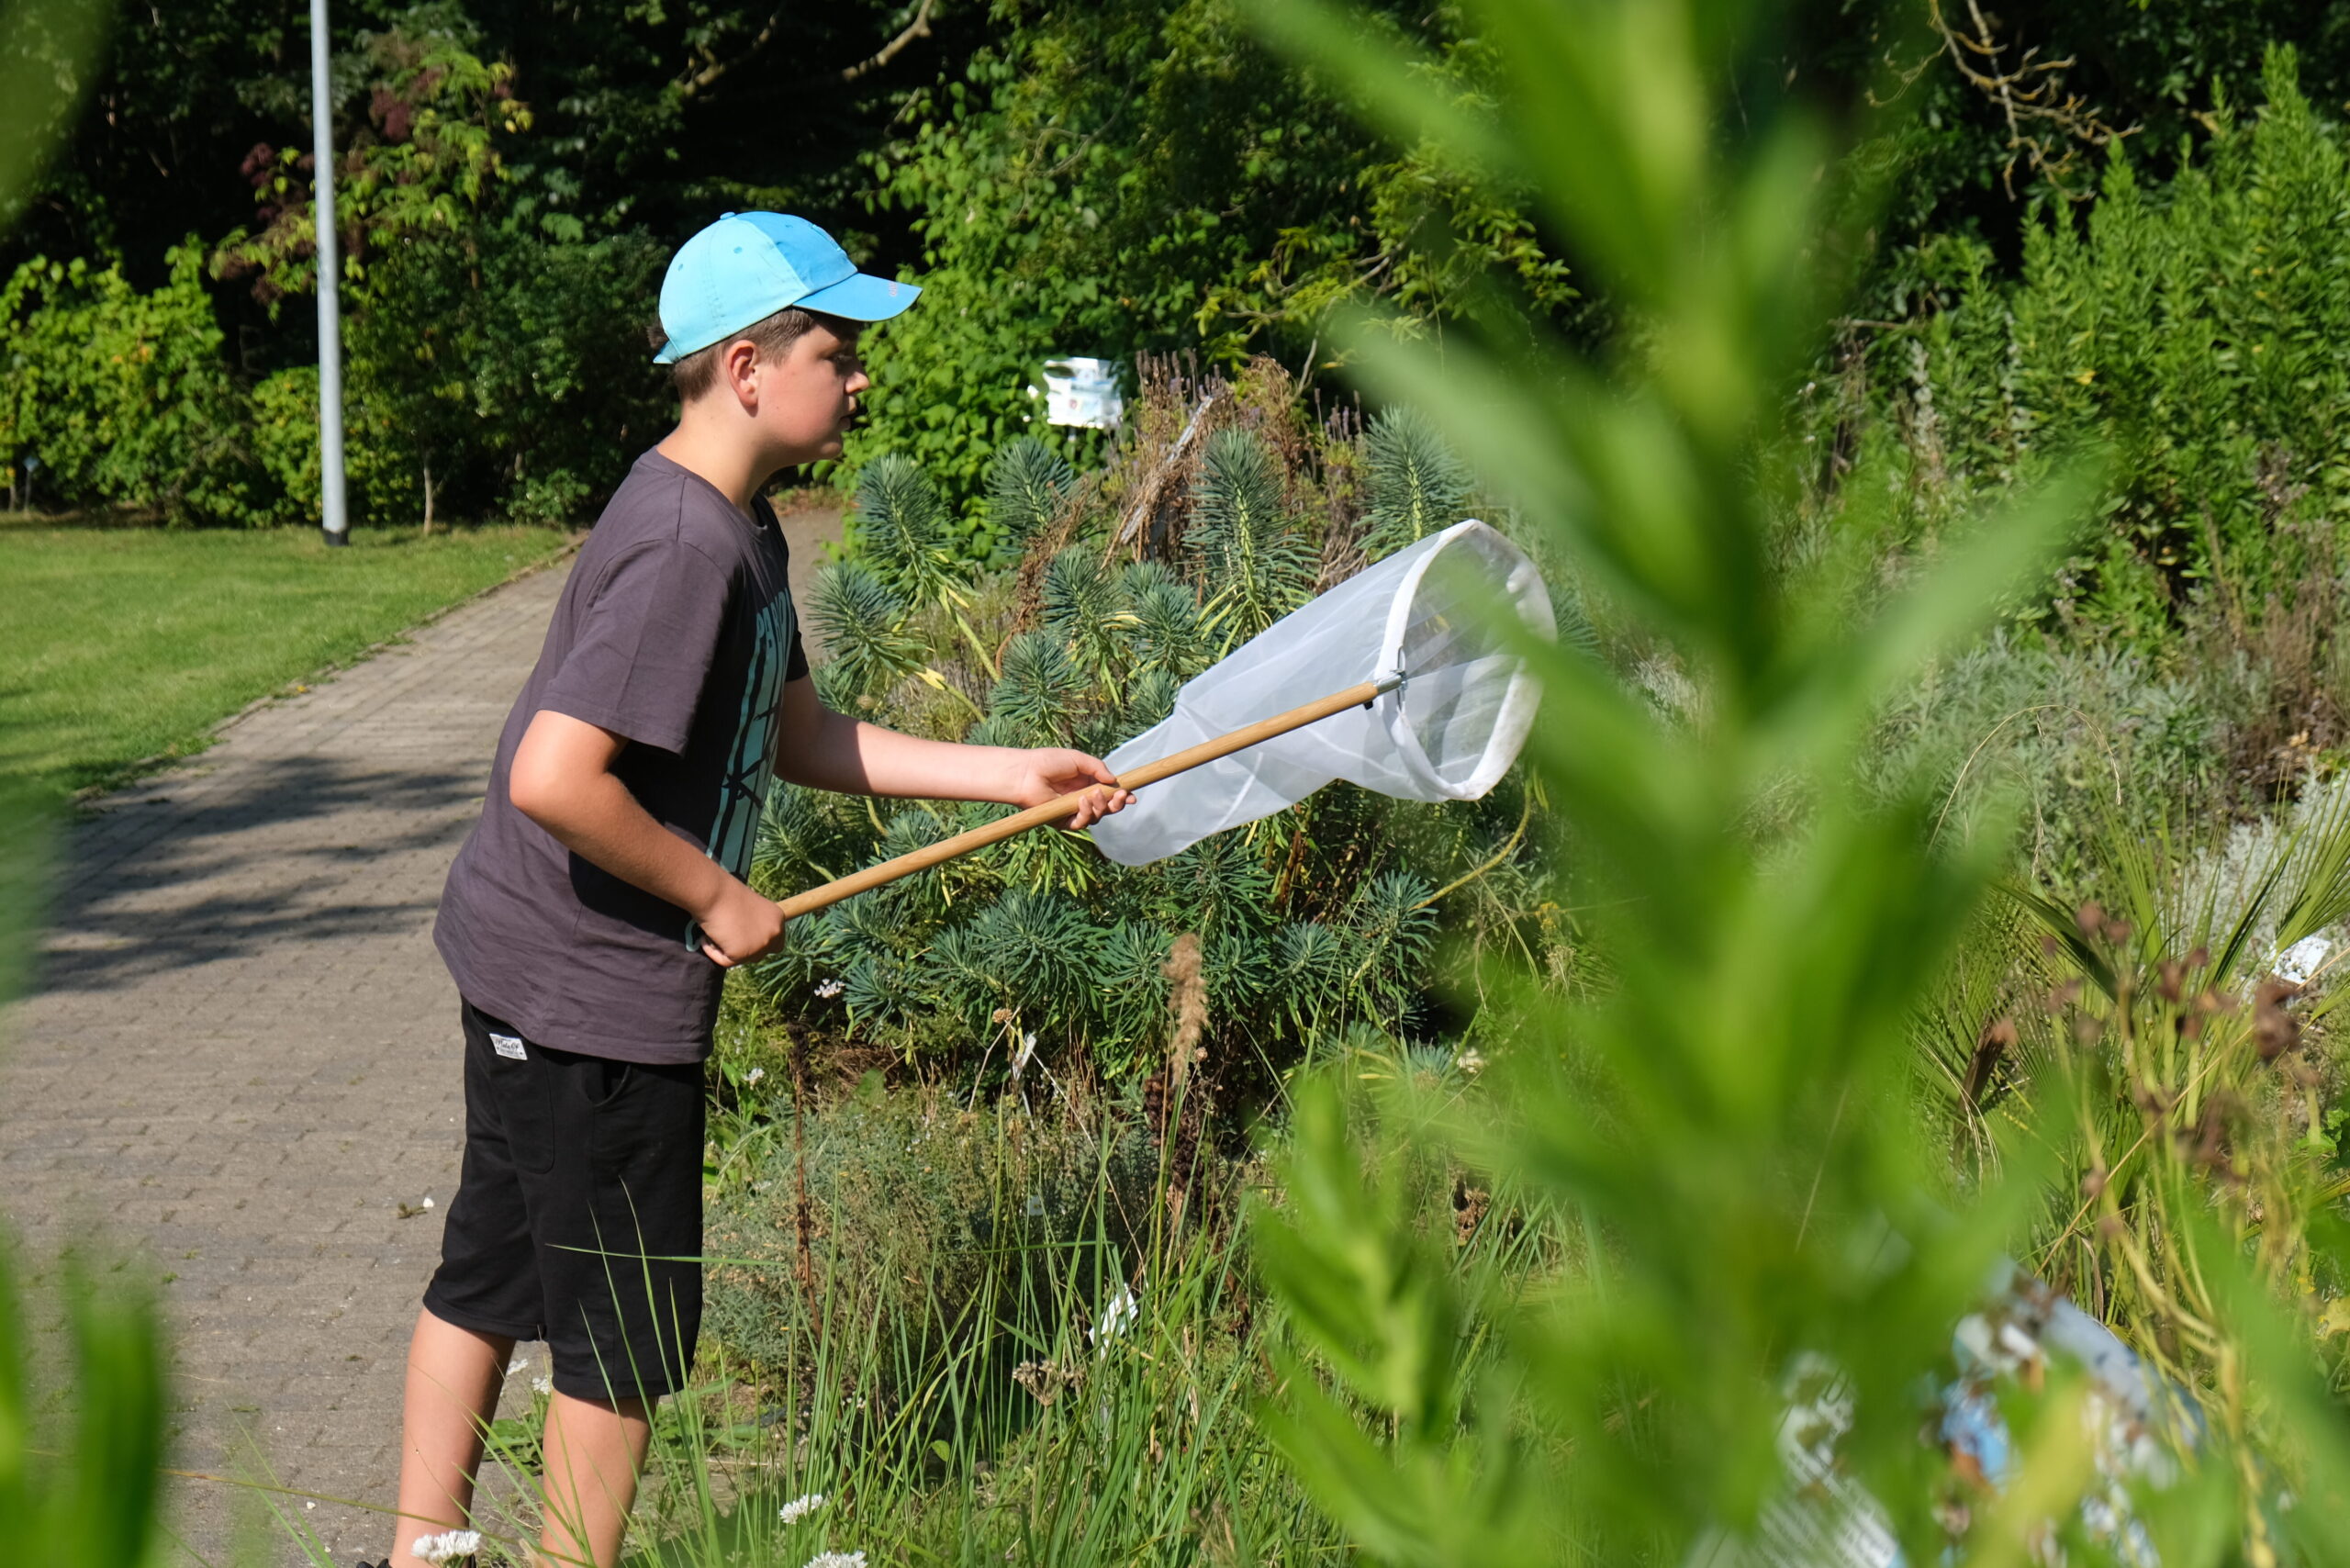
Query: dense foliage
point(1313, 924)
point(2187, 329)
point(1142, 175)
point(1069, 178)
point(510, 185)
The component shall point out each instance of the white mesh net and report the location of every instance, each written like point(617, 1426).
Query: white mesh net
point(1448, 733)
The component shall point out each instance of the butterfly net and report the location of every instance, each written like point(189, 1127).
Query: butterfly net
point(1437, 614)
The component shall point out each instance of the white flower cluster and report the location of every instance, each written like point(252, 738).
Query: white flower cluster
point(449, 1546)
point(799, 1508)
point(829, 989)
point(837, 1560)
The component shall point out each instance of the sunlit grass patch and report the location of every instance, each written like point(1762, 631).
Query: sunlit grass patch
point(118, 645)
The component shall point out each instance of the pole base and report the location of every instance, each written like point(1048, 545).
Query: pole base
point(335, 540)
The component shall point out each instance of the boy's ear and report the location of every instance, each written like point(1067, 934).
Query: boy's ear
point(736, 361)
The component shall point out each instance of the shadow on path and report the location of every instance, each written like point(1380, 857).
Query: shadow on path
point(178, 883)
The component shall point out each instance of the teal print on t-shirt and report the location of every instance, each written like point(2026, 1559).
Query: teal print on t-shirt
point(750, 768)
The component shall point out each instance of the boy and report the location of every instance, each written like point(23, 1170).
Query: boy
point(591, 916)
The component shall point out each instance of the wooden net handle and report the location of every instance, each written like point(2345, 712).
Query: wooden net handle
point(962, 843)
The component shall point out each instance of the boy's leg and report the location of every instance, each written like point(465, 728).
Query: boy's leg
point(617, 1225)
point(454, 1376)
point(485, 1296)
point(594, 1450)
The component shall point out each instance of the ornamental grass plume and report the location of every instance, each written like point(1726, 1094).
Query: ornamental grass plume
point(1189, 997)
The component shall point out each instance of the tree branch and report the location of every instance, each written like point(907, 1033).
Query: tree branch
point(917, 29)
point(712, 72)
point(2046, 124)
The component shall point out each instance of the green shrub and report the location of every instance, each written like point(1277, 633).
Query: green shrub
point(1252, 551)
point(510, 368)
point(2084, 738)
point(2187, 650)
point(495, 358)
point(1028, 485)
point(1143, 176)
point(124, 399)
point(2194, 326)
point(284, 434)
point(1312, 921)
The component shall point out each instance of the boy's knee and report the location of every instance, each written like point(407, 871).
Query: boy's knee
point(624, 1407)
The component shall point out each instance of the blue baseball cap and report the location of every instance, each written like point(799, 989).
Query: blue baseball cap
point(748, 265)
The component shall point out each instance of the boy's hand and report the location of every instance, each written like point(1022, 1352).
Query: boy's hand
point(1047, 773)
point(740, 925)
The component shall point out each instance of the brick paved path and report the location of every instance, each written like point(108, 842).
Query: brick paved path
point(240, 1057)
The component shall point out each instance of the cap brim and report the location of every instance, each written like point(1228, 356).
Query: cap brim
point(860, 298)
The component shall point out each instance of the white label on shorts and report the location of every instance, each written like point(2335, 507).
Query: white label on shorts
point(507, 1046)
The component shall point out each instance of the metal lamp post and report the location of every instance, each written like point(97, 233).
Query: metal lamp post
point(335, 521)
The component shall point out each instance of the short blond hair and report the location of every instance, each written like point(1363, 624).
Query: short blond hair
point(695, 374)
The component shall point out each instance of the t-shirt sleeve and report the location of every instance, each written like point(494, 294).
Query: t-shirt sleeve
point(644, 645)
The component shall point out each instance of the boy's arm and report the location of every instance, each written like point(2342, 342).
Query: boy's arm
point(562, 781)
point(825, 750)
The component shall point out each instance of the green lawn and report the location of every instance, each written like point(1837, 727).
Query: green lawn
point(121, 645)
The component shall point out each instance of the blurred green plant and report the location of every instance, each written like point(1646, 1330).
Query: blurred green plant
point(49, 54)
point(93, 1503)
point(1732, 1116)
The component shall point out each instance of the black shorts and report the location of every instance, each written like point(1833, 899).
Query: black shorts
point(578, 1219)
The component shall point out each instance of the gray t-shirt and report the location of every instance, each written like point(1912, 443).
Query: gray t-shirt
point(676, 630)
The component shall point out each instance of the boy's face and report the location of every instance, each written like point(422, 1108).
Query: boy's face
point(807, 401)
